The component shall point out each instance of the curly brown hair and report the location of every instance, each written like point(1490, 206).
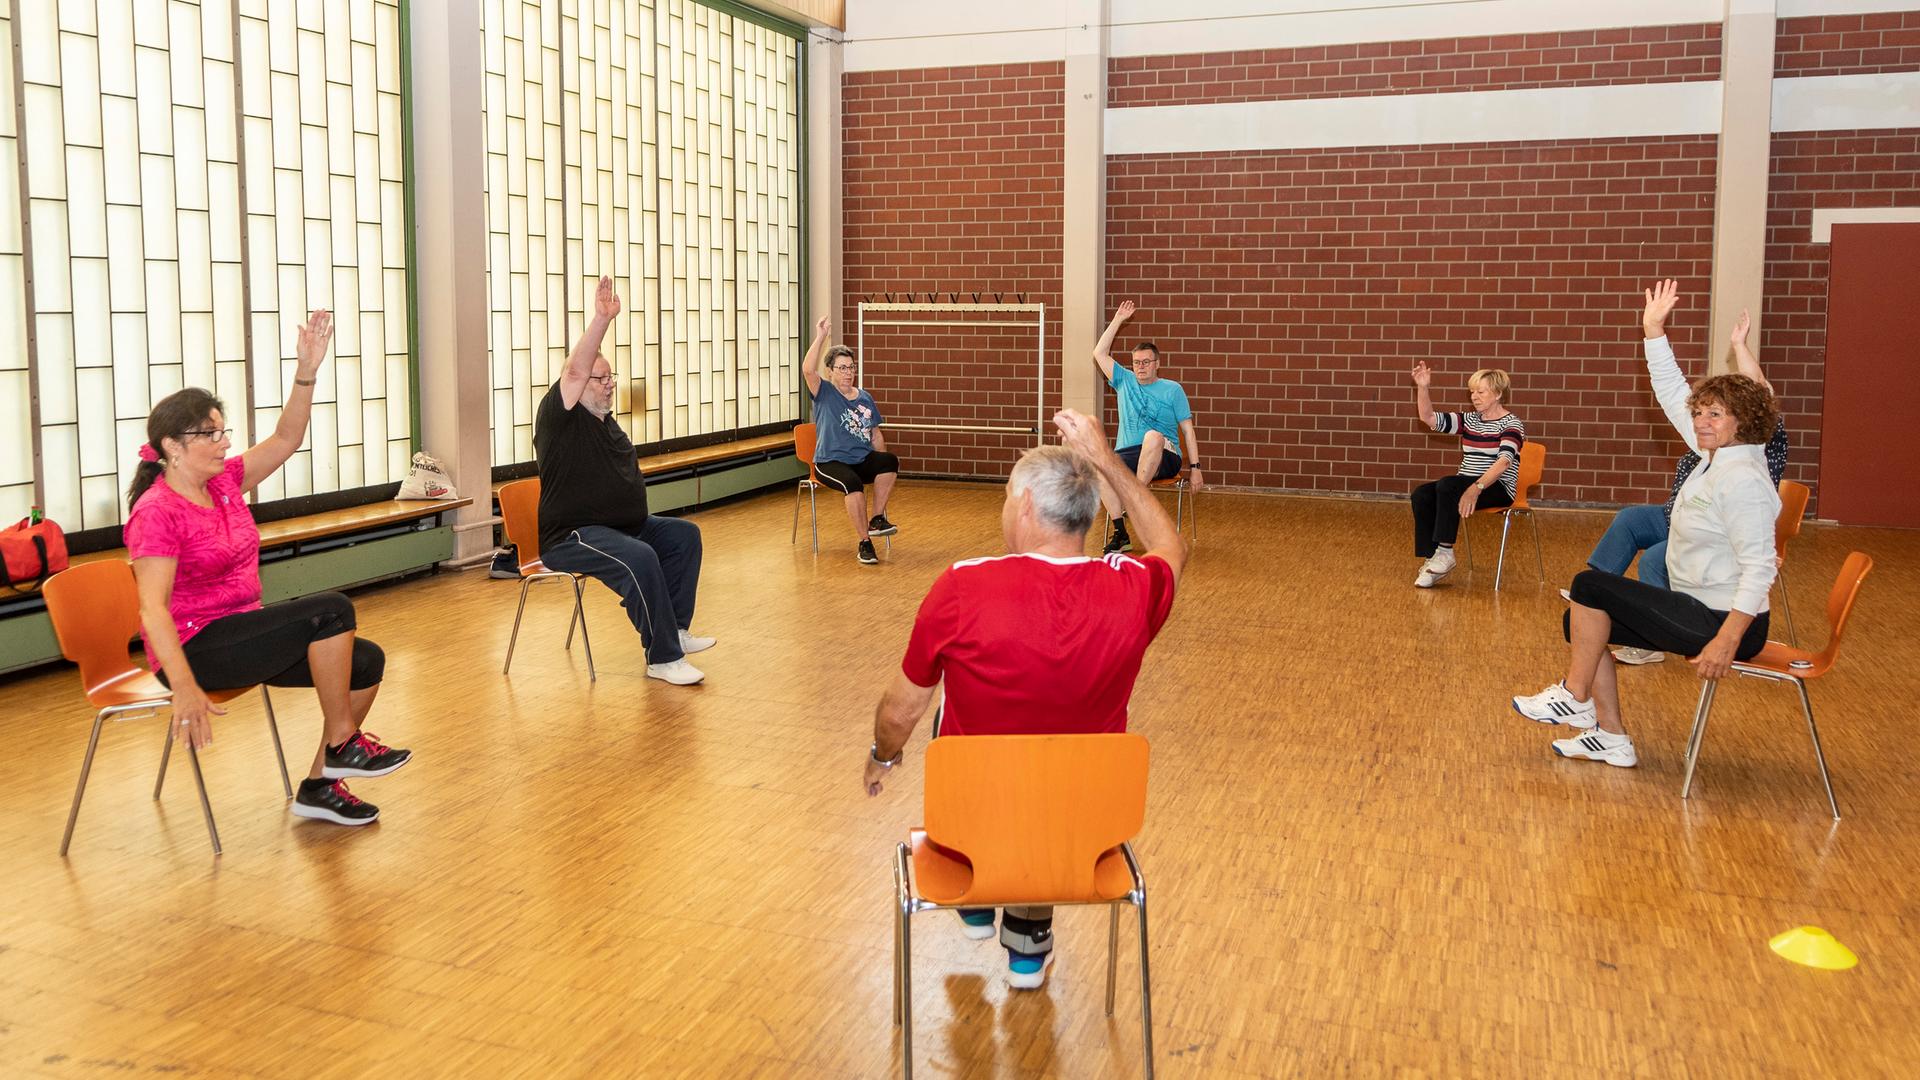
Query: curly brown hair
point(1750, 403)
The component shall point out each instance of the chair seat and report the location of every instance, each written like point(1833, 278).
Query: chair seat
point(129, 687)
point(944, 877)
point(1779, 658)
point(1182, 477)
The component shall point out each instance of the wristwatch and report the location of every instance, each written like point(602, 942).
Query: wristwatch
point(873, 755)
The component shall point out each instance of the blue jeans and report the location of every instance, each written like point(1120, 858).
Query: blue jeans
point(1635, 530)
point(656, 571)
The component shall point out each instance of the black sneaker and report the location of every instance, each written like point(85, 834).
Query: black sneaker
point(329, 800)
point(506, 564)
point(880, 526)
point(362, 755)
point(1118, 540)
point(867, 554)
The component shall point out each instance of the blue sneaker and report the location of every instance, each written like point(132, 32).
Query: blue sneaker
point(506, 564)
point(1027, 971)
point(976, 924)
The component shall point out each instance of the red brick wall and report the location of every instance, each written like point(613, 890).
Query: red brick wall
point(1647, 54)
point(953, 183)
point(1293, 290)
point(1818, 170)
point(1847, 44)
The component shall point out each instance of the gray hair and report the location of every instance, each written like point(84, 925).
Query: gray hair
point(836, 353)
point(1065, 490)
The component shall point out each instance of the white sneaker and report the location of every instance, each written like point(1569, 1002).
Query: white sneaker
point(1556, 705)
point(690, 644)
point(978, 931)
point(679, 673)
point(1599, 746)
point(1437, 567)
point(1627, 655)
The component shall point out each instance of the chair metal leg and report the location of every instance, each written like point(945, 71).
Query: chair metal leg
point(1786, 608)
point(273, 725)
point(813, 512)
point(1538, 555)
point(1113, 949)
point(1499, 568)
point(573, 619)
point(796, 514)
point(206, 808)
point(515, 639)
point(906, 991)
point(166, 751)
point(580, 613)
point(86, 766)
point(1700, 714)
point(1806, 706)
point(1146, 990)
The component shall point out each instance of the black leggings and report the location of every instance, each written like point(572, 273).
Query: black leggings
point(270, 645)
point(1436, 510)
point(1649, 617)
point(847, 479)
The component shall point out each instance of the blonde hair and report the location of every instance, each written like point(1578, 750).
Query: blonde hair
point(1495, 378)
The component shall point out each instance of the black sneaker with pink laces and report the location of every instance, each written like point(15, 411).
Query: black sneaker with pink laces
point(329, 800)
point(362, 755)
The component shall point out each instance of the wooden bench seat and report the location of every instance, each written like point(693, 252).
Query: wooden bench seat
point(703, 455)
point(299, 530)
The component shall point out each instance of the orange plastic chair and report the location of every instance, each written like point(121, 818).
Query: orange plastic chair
point(1793, 507)
point(1184, 499)
point(1016, 820)
point(805, 439)
point(1786, 663)
point(95, 609)
point(520, 513)
point(1533, 462)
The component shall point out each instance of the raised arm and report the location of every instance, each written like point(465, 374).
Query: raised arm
point(1669, 386)
point(1743, 358)
point(810, 365)
point(1422, 396)
point(1103, 351)
point(192, 711)
point(1082, 435)
point(267, 455)
point(580, 361)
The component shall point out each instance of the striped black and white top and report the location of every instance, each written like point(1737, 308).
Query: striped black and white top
point(1483, 441)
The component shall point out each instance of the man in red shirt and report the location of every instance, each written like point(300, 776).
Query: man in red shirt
point(1041, 641)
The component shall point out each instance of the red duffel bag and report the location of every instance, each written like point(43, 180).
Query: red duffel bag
point(30, 552)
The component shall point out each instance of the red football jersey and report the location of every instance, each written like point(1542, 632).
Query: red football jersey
point(1031, 644)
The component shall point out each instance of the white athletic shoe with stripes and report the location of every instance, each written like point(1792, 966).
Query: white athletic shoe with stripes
point(1556, 705)
point(1597, 745)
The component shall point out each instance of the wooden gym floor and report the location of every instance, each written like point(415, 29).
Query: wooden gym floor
point(1361, 861)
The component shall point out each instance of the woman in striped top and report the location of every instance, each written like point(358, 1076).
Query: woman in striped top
point(1490, 441)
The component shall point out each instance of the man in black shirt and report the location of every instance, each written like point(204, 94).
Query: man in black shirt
point(593, 507)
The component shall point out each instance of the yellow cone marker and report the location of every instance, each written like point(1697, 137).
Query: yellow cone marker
point(1814, 947)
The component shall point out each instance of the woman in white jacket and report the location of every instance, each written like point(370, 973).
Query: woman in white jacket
point(1720, 562)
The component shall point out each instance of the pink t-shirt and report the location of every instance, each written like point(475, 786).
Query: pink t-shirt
point(217, 549)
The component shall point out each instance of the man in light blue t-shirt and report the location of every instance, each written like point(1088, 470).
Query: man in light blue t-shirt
point(1155, 422)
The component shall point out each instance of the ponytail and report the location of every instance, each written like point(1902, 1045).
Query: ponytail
point(143, 477)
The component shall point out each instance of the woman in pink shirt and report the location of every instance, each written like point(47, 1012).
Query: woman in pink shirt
point(196, 559)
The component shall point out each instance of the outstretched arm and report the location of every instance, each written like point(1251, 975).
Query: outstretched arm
point(266, 456)
point(580, 361)
point(1082, 435)
point(1669, 386)
point(1743, 358)
point(1103, 352)
point(810, 365)
point(1422, 397)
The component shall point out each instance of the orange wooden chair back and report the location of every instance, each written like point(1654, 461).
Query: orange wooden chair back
point(1533, 462)
point(520, 513)
point(805, 438)
point(1793, 507)
point(1034, 813)
point(95, 608)
point(1846, 589)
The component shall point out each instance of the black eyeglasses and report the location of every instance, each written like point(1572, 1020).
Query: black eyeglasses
point(211, 434)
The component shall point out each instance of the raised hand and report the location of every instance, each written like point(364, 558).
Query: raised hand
point(1422, 375)
point(310, 347)
point(1080, 433)
point(1125, 312)
point(605, 304)
point(822, 327)
point(1740, 329)
point(1660, 301)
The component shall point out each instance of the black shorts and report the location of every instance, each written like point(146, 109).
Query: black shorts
point(1169, 462)
point(847, 479)
point(1649, 617)
point(269, 645)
